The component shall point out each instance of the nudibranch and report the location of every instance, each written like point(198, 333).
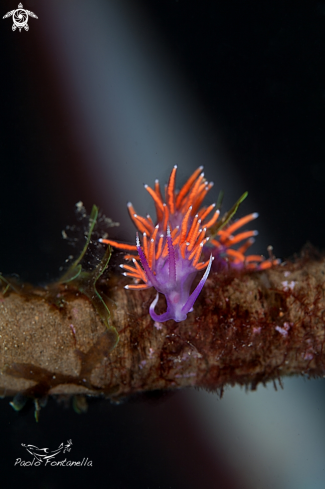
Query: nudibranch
point(228, 258)
point(169, 257)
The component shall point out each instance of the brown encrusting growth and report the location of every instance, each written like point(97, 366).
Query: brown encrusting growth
point(247, 327)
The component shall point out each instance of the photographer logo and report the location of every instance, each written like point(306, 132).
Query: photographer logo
point(20, 18)
point(53, 458)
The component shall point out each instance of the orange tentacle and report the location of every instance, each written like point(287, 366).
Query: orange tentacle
point(120, 246)
point(138, 287)
point(184, 225)
point(241, 222)
point(171, 191)
point(205, 211)
point(186, 187)
point(157, 200)
point(240, 237)
point(212, 220)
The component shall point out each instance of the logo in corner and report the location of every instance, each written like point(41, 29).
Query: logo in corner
point(45, 456)
point(20, 18)
point(42, 454)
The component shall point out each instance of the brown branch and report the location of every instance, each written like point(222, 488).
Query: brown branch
point(246, 328)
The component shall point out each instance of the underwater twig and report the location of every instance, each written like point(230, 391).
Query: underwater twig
point(248, 327)
point(246, 320)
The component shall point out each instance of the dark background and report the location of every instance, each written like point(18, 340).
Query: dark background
point(257, 69)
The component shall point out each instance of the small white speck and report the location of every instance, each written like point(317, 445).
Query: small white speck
point(288, 285)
